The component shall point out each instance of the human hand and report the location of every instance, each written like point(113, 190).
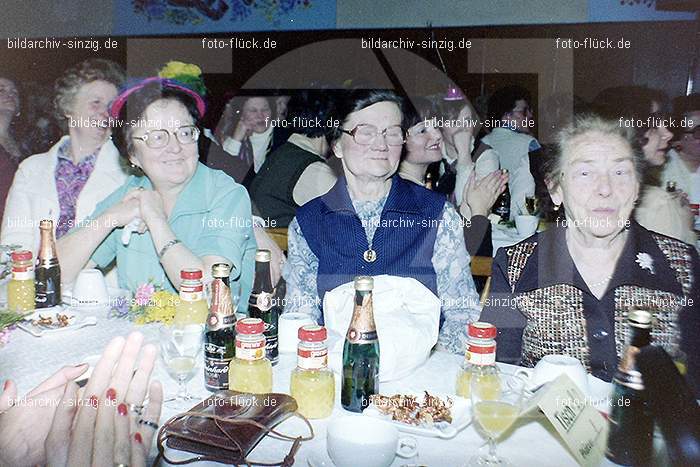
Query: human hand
point(242, 130)
point(152, 207)
point(278, 259)
point(126, 210)
point(463, 143)
point(103, 428)
point(24, 426)
point(682, 198)
point(480, 195)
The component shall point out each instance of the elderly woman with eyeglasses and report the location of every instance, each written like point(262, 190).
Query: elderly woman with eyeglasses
point(191, 216)
point(348, 231)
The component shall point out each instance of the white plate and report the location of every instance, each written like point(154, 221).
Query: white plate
point(75, 321)
point(460, 411)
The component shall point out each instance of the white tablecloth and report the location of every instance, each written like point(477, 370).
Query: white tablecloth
point(28, 360)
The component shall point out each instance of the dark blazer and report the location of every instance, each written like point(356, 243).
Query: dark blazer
point(542, 306)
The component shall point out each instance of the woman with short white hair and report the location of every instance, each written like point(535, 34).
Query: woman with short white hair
point(573, 285)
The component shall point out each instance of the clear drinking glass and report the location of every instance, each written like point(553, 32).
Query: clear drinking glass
point(495, 412)
point(180, 347)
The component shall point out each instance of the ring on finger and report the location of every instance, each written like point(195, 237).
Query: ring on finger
point(136, 408)
point(148, 423)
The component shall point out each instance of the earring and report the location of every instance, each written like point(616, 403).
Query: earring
point(556, 207)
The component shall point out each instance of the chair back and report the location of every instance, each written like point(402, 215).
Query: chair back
point(482, 266)
point(279, 235)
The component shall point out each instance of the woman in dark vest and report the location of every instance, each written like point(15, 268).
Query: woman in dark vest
point(372, 222)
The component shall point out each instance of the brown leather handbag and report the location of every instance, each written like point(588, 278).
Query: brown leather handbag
point(227, 426)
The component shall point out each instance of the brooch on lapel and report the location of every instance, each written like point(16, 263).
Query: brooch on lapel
point(645, 262)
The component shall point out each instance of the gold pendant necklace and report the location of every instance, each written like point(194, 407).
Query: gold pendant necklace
point(370, 256)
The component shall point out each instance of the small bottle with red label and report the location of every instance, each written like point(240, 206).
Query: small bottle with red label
point(312, 383)
point(480, 363)
point(20, 289)
point(250, 371)
point(192, 306)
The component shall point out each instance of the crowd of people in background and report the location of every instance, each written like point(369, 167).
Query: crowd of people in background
point(99, 154)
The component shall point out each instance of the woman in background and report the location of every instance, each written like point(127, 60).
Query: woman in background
point(65, 183)
point(10, 154)
point(657, 209)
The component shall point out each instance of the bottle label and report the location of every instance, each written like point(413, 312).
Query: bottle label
point(23, 273)
point(215, 366)
point(262, 301)
point(480, 355)
point(190, 293)
point(358, 337)
point(362, 329)
point(217, 321)
point(316, 359)
point(253, 350)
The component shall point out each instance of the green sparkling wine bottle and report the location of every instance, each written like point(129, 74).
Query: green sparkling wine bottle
point(361, 351)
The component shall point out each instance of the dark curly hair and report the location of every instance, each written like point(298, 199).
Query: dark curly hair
point(358, 99)
point(135, 107)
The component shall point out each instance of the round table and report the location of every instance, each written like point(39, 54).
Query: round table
point(28, 360)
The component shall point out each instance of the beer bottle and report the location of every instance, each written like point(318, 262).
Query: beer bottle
point(261, 306)
point(47, 272)
point(631, 423)
point(502, 204)
point(220, 335)
point(361, 351)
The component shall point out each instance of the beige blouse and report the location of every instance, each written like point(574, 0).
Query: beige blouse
point(661, 212)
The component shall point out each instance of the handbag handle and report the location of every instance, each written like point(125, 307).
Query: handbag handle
point(288, 460)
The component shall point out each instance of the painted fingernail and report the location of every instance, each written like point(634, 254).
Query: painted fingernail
point(121, 408)
point(6, 385)
point(138, 439)
point(111, 394)
point(93, 401)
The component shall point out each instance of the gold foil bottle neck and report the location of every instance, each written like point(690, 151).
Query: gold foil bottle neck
point(364, 283)
point(47, 246)
point(263, 256)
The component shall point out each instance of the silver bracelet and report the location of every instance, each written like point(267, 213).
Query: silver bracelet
point(166, 247)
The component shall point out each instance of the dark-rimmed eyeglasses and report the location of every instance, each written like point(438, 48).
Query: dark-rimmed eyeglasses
point(156, 139)
point(365, 135)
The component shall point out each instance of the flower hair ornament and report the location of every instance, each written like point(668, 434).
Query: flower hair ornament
point(187, 74)
point(117, 104)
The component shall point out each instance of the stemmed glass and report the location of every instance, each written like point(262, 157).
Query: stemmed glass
point(180, 347)
point(495, 408)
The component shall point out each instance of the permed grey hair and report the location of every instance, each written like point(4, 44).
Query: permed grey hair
point(87, 71)
point(591, 123)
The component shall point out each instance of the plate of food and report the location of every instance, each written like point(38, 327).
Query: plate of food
point(423, 414)
point(54, 319)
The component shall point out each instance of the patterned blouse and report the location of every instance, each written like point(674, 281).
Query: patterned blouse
point(460, 302)
point(70, 180)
